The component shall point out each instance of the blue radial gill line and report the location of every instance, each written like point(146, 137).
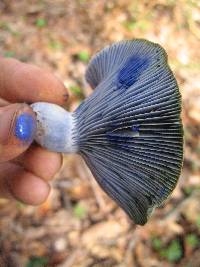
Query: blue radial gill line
point(128, 131)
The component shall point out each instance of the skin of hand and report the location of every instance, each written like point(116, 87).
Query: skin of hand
point(25, 168)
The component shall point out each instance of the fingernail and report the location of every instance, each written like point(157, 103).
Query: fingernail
point(25, 127)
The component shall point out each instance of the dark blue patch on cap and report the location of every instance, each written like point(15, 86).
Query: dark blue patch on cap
point(131, 71)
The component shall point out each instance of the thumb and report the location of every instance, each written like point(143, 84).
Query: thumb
point(17, 130)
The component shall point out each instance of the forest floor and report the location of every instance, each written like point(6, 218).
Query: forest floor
point(79, 226)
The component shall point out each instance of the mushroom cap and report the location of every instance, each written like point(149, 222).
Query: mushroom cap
point(128, 131)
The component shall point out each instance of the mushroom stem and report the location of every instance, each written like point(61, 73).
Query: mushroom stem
point(56, 128)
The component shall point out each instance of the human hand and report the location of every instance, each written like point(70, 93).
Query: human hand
point(25, 168)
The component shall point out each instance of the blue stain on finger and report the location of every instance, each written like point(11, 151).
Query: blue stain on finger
point(25, 127)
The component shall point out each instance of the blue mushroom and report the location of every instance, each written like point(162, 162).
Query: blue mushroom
point(129, 131)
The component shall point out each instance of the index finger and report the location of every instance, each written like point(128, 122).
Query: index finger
point(21, 82)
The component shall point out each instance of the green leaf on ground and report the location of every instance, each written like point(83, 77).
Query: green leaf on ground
point(41, 22)
point(188, 190)
point(132, 25)
point(83, 56)
point(76, 90)
point(198, 221)
point(156, 243)
point(192, 240)
point(56, 45)
point(80, 211)
point(37, 262)
point(5, 26)
point(9, 54)
point(173, 252)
